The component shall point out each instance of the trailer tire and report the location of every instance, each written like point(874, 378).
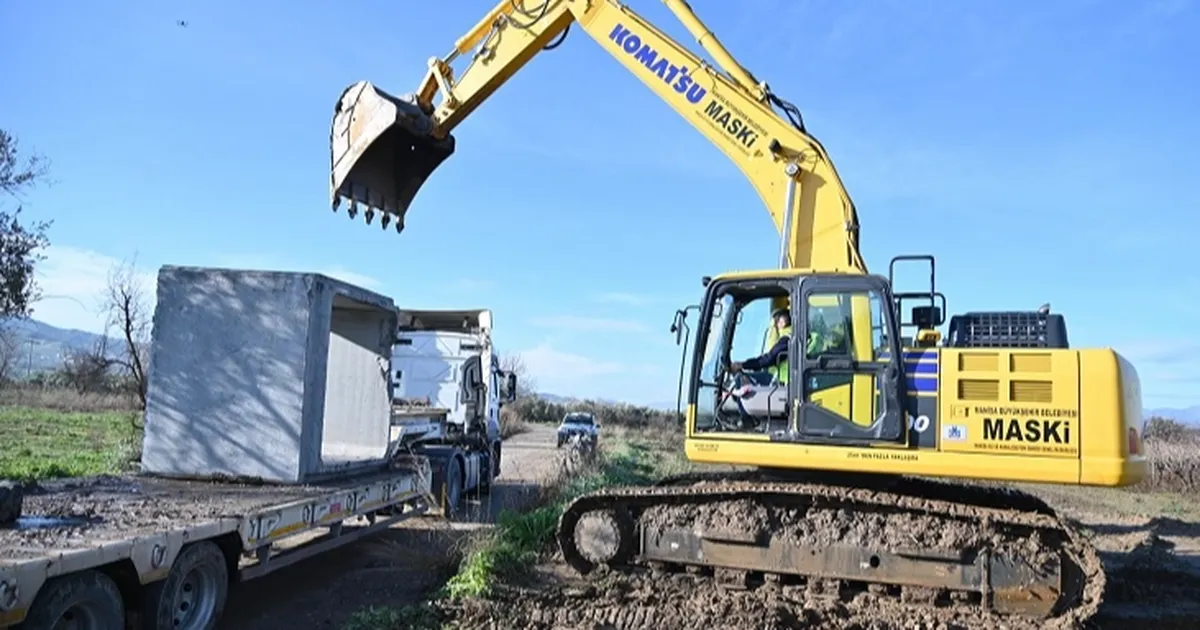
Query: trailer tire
point(192, 596)
point(89, 598)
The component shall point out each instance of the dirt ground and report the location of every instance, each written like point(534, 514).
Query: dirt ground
point(395, 567)
point(1149, 544)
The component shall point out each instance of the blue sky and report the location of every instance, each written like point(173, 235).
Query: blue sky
point(1042, 152)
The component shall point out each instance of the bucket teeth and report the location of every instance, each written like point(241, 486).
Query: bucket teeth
point(370, 207)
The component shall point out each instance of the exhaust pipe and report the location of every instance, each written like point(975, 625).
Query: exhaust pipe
point(381, 151)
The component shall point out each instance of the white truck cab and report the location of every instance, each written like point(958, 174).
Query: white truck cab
point(447, 383)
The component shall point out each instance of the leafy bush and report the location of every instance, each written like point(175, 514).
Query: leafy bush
point(511, 423)
point(1158, 428)
point(1174, 464)
point(539, 410)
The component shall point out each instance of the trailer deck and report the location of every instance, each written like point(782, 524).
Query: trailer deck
point(143, 522)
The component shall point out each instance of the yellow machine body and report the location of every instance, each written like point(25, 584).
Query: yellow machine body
point(1003, 413)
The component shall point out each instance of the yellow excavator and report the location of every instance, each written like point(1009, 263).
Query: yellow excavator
point(878, 448)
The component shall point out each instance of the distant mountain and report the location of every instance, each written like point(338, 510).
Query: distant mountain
point(41, 347)
point(1188, 415)
point(566, 400)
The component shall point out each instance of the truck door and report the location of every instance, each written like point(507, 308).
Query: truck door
point(849, 378)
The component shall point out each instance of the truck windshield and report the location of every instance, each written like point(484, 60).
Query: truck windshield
point(577, 420)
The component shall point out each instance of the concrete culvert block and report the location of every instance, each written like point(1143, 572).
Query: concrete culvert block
point(274, 376)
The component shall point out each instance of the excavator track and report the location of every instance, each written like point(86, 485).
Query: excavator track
point(924, 542)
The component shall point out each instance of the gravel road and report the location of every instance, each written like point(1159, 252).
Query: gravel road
point(395, 567)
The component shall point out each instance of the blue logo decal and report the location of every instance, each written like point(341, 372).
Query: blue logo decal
point(675, 76)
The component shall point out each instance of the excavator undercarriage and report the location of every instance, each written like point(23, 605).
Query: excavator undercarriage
point(923, 542)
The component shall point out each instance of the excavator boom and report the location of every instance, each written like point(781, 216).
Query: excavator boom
point(384, 147)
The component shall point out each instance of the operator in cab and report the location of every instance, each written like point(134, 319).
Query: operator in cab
point(774, 360)
point(772, 365)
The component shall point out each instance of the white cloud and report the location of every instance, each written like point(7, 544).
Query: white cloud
point(592, 324)
point(73, 282)
point(548, 364)
point(568, 374)
point(1169, 369)
point(345, 275)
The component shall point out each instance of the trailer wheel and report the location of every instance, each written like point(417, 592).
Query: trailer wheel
point(192, 596)
point(452, 494)
point(87, 600)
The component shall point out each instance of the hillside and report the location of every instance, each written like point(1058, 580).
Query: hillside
point(1188, 415)
point(42, 347)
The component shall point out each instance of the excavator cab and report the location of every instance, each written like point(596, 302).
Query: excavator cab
point(849, 385)
point(382, 149)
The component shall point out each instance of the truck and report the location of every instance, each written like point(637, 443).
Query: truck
point(445, 378)
point(285, 418)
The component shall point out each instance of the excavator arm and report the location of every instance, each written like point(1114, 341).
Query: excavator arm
point(384, 147)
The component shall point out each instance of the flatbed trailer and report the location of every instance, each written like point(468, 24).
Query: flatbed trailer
point(272, 435)
point(162, 553)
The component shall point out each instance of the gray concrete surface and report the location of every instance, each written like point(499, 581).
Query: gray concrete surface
point(395, 567)
point(262, 374)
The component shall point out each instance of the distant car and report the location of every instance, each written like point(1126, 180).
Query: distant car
point(578, 423)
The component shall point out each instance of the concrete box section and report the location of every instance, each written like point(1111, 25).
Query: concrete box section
point(278, 376)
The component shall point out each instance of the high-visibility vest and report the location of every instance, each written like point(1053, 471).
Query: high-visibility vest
point(779, 371)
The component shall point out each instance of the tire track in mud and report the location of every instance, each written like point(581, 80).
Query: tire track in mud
point(656, 602)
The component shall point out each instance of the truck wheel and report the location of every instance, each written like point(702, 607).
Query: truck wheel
point(493, 470)
point(453, 489)
point(192, 596)
point(485, 476)
point(87, 600)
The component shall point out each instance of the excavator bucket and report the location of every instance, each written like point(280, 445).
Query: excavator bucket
point(381, 152)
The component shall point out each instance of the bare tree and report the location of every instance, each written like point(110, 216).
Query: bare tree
point(126, 306)
point(20, 245)
point(526, 385)
point(86, 370)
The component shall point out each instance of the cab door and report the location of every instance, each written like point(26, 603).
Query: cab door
point(849, 378)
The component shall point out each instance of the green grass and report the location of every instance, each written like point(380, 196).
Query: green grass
point(520, 537)
point(419, 617)
point(44, 443)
